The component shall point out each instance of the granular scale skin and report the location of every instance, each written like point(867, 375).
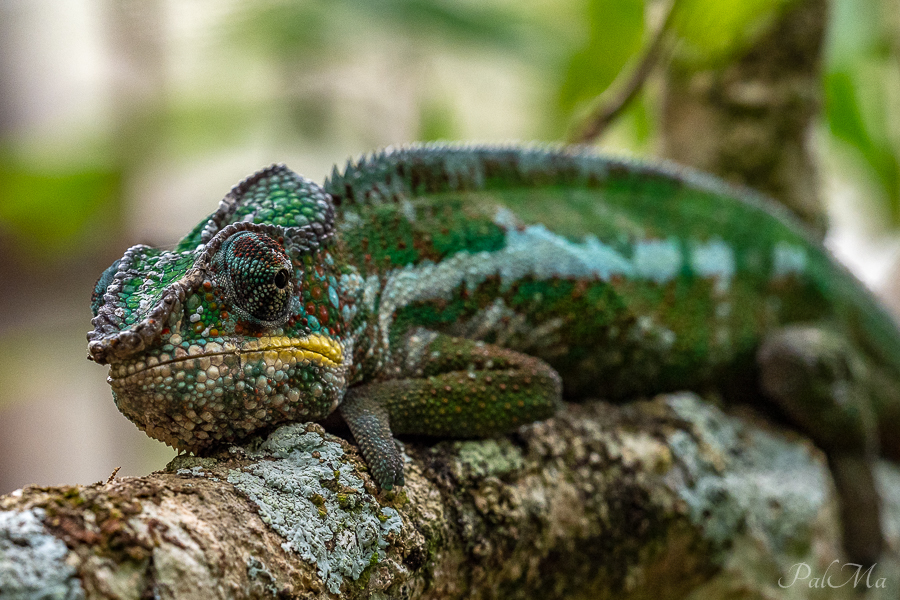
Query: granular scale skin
point(463, 291)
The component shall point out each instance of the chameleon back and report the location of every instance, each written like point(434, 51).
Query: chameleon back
point(626, 278)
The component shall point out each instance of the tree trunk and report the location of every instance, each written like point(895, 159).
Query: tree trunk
point(751, 121)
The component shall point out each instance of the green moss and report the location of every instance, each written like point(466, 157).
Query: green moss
point(319, 501)
point(73, 495)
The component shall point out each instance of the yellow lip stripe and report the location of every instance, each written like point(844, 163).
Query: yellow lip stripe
point(313, 347)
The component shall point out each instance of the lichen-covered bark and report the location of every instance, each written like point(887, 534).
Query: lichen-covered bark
point(750, 120)
point(666, 498)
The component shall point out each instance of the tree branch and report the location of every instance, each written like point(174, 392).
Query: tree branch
point(620, 94)
point(652, 499)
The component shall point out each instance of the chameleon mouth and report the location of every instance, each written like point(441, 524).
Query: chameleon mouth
point(273, 351)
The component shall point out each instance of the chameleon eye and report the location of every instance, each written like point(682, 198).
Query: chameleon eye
point(282, 278)
point(256, 274)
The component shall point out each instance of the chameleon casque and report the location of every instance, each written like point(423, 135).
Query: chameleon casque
point(462, 291)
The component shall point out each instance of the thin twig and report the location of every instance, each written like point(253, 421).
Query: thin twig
point(610, 105)
point(113, 476)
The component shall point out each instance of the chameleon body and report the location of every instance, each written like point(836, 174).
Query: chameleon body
point(464, 291)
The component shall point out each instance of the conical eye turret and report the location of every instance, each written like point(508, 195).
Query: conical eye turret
point(257, 276)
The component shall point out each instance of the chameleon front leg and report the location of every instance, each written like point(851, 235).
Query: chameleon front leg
point(821, 383)
point(448, 387)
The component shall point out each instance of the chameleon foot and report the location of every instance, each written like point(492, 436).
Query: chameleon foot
point(370, 424)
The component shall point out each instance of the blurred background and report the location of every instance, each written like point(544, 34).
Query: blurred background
point(124, 122)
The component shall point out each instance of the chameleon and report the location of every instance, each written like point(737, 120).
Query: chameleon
point(463, 291)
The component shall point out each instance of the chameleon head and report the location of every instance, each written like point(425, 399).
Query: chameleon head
point(208, 345)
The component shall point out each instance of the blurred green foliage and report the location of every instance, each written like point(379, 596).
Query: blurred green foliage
point(49, 210)
point(862, 92)
point(616, 30)
point(712, 32)
point(574, 50)
point(303, 30)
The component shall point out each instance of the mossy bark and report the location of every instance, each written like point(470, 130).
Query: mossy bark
point(662, 499)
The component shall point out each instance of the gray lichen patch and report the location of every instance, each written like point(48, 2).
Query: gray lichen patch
point(33, 562)
point(744, 479)
point(486, 458)
point(888, 478)
point(313, 499)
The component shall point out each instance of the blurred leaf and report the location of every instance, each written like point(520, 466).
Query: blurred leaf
point(320, 27)
point(191, 126)
point(641, 121)
point(467, 22)
point(860, 68)
point(285, 27)
point(436, 122)
point(47, 210)
point(855, 33)
point(712, 31)
point(845, 117)
point(616, 28)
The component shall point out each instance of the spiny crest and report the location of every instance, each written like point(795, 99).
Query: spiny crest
point(436, 167)
point(278, 197)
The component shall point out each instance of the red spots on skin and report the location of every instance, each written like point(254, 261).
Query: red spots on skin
point(670, 297)
point(207, 285)
point(323, 313)
point(311, 308)
point(316, 292)
point(580, 288)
